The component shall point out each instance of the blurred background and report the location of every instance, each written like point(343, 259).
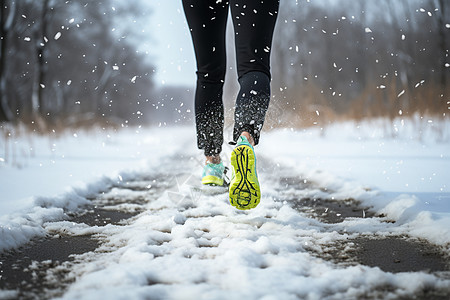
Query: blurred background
point(80, 63)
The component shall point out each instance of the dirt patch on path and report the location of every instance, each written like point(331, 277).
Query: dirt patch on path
point(399, 254)
point(40, 269)
point(25, 270)
point(388, 252)
point(391, 254)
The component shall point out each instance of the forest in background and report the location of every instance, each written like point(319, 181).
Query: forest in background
point(358, 59)
point(67, 63)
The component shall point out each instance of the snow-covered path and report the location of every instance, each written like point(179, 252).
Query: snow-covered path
point(150, 234)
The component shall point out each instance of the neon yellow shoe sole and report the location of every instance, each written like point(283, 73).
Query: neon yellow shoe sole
point(245, 192)
point(212, 180)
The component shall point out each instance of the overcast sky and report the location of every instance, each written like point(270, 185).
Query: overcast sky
point(171, 46)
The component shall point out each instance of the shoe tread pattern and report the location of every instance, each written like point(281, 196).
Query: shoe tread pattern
point(244, 187)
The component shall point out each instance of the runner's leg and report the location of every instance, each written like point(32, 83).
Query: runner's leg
point(207, 22)
point(254, 24)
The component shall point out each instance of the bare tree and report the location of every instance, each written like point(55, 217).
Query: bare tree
point(443, 19)
point(69, 64)
point(7, 15)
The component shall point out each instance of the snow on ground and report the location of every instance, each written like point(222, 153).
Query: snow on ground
point(407, 163)
point(48, 166)
point(198, 246)
point(63, 171)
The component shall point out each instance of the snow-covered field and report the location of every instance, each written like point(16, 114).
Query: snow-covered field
point(188, 246)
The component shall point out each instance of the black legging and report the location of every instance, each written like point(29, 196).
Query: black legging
point(254, 22)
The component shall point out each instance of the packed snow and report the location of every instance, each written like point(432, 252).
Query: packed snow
point(188, 245)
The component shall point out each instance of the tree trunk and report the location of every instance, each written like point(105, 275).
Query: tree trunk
point(443, 43)
point(6, 19)
point(41, 53)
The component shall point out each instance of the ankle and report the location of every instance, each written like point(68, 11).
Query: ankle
point(215, 159)
point(249, 137)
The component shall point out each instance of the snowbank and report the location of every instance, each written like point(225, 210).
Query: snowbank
point(406, 162)
point(44, 176)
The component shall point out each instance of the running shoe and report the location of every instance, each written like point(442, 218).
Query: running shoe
point(213, 174)
point(245, 192)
